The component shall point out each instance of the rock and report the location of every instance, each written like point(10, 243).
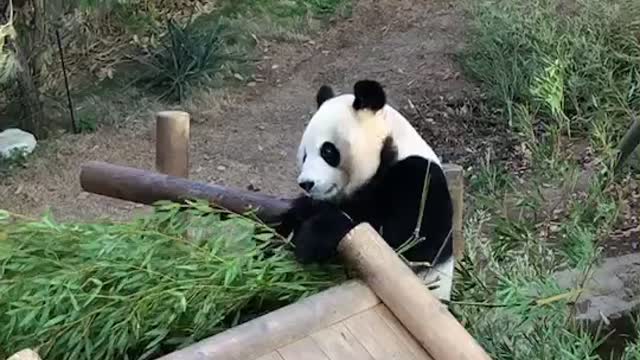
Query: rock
point(16, 139)
point(612, 291)
point(26, 354)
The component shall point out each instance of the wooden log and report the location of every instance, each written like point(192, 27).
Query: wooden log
point(172, 143)
point(283, 326)
point(421, 313)
point(147, 187)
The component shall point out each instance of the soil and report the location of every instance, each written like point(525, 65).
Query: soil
point(249, 138)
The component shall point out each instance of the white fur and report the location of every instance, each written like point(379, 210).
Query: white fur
point(357, 135)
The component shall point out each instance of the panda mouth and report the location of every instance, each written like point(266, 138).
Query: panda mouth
point(331, 188)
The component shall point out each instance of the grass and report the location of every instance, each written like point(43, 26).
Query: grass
point(559, 82)
point(141, 288)
point(9, 164)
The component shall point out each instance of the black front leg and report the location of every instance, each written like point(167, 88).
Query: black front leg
point(317, 239)
point(318, 227)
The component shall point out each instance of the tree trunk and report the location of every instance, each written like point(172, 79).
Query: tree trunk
point(34, 118)
point(28, 92)
point(39, 40)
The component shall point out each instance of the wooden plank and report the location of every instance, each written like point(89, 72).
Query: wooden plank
point(304, 349)
point(410, 342)
point(338, 343)
point(377, 338)
point(284, 326)
point(271, 356)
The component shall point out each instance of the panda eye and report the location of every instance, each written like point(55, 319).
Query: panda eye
point(304, 157)
point(330, 154)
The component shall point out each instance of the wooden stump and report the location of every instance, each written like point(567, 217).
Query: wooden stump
point(172, 143)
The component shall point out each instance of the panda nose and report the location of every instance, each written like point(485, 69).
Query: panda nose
point(306, 185)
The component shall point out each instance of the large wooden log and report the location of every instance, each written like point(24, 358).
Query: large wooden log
point(405, 295)
point(148, 187)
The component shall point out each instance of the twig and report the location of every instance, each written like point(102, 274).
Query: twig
point(473, 303)
point(552, 299)
point(74, 127)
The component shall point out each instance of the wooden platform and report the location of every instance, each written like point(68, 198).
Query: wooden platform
point(374, 334)
point(346, 322)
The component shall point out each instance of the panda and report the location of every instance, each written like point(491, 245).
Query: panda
point(360, 160)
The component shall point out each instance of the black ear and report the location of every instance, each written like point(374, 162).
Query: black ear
point(369, 95)
point(324, 93)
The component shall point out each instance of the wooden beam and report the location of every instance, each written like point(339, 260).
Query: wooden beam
point(147, 187)
point(172, 143)
point(405, 295)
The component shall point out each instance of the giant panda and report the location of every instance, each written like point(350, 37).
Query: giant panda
point(360, 160)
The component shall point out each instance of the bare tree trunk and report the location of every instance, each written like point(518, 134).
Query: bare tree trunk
point(34, 119)
point(27, 89)
point(39, 40)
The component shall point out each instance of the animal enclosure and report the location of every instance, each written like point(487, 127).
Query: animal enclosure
point(386, 313)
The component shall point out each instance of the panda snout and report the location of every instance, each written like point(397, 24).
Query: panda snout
point(306, 185)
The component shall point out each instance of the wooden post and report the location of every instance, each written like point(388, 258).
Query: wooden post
point(172, 143)
point(404, 294)
point(455, 180)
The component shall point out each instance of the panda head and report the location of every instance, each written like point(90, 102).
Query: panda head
point(341, 146)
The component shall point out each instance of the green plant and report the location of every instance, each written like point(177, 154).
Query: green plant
point(142, 288)
point(557, 79)
point(8, 164)
point(189, 56)
point(563, 71)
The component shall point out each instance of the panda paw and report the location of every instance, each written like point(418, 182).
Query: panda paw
point(301, 209)
point(317, 238)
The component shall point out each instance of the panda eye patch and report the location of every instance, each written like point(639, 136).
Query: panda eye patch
point(330, 154)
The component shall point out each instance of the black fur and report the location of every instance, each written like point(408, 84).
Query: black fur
point(324, 93)
point(389, 201)
point(368, 94)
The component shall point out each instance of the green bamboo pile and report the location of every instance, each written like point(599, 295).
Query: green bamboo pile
point(143, 288)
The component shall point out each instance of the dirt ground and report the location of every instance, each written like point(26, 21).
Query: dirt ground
point(249, 138)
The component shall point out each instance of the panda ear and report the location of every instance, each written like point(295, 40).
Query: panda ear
point(324, 93)
point(368, 95)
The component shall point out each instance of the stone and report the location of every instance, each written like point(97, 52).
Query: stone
point(612, 291)
point(16, 139)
